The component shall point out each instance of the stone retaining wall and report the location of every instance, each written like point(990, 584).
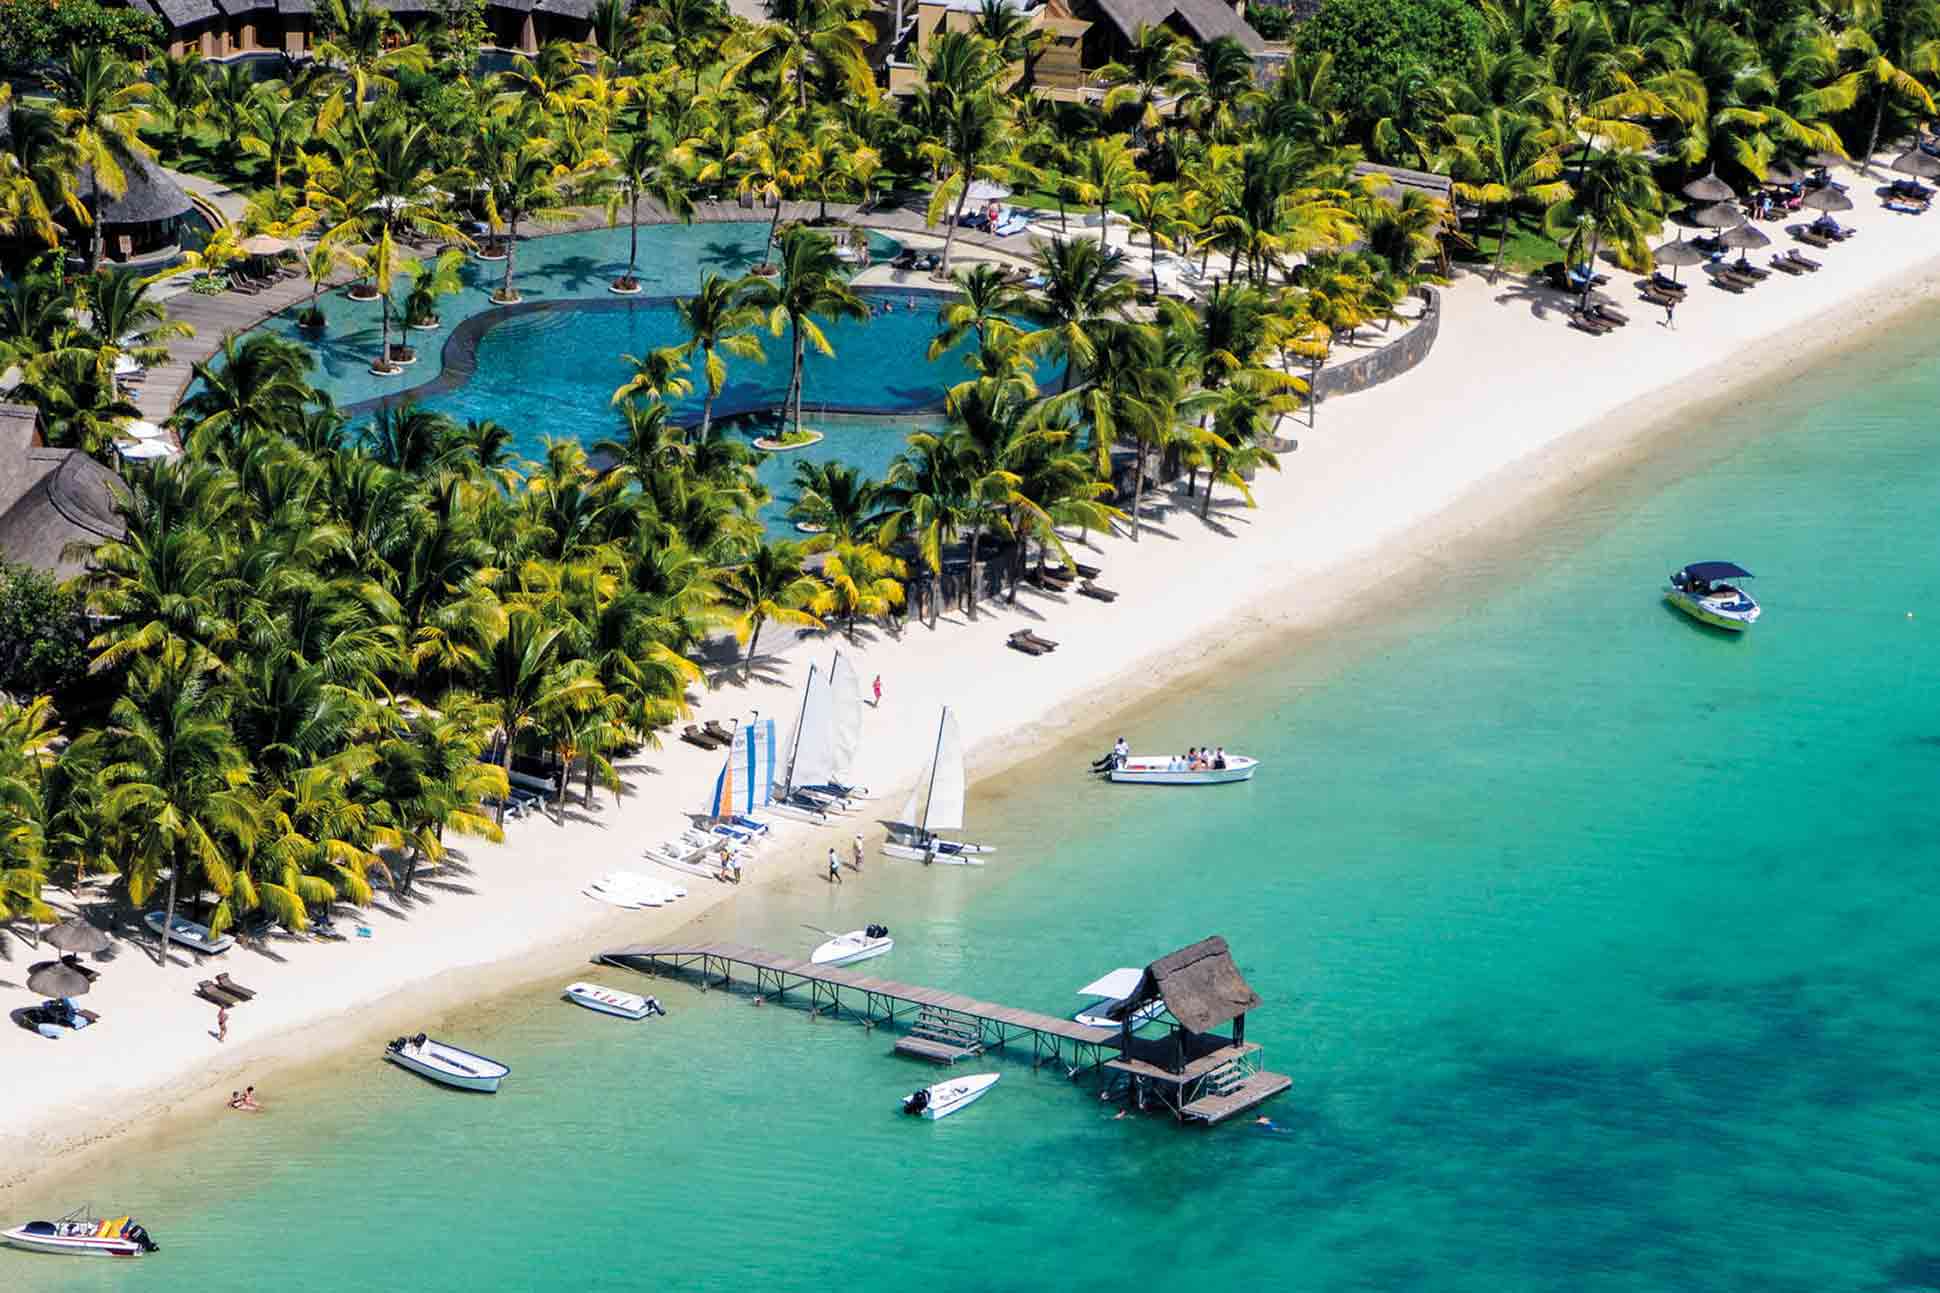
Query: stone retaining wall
point(1390, 361)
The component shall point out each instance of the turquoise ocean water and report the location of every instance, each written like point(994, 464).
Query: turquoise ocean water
point(1601, 950)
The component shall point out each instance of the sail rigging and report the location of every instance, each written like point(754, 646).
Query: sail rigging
point(746, 780)
point(936, 802)
point(845, 694)
point(811, 754)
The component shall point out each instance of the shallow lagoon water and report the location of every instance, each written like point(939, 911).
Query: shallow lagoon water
point(1600, 948)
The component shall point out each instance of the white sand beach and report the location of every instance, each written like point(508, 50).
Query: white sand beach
point(1513, 410)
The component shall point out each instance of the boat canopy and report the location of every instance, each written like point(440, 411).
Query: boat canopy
point(1712, 571)
point(1119, 983)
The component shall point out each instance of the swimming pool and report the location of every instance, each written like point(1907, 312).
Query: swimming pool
point(547, 368)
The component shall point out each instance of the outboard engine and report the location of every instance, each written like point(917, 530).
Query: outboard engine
point(917, 1101)
point(654, 1007)
point(419, 1041)
point(141, 1239)
point(397, 1044)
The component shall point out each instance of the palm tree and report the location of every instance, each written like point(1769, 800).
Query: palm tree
point(526, 676)
point(1616, 203)
point(442, 276)
point(837, 498)
point(691, 30)
point(1082, 292)
point(181, 95)
point(1155, 209)
point(178, 785)
point(657, 375)
point(427, 780)
point(926, 499)
point(859, 580)
point(811, 285)
point(807, 40)
point(770, 587)
point(233, 93)
point(410, 438)
point(257, 386)
point(718, 318)
point(275, 129)
point(647, 167)
point(1502, 158)
point(983, 309)
point(366, 45)
point(1147, 73)
point(522, 183)
point(102, 112)
point(1106, 176)
point(966, 127)
point(1896, 47)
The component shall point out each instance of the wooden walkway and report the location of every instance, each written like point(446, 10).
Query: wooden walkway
point(964, 1025)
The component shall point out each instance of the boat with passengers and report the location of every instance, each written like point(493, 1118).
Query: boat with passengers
point(1200, 768)
point(1708, 592)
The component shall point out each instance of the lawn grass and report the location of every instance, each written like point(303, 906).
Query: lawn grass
point(205, 154)
point(1529, 247)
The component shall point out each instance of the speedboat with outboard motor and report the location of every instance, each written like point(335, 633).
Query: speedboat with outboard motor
point(945, 1098)
point(447, 1064)
point(79, 1234)
point(1172, 769)
point(1708, 592)
point(856, 945)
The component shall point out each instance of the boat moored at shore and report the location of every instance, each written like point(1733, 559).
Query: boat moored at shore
point(80, 1235)
point(1175, 770)
point(936, 804)
point(1708, 592)
point(856, 945)
point(611, 1001)
point(447, 1064)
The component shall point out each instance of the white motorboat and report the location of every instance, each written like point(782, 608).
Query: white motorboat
point(936, 804)
point(1112, 990)
point(945, 1098)
point(1708, 592)
point(447, 1064)
point(1173, 770)
point(856, 945)
point(611, 1001)
point(80, 1235)
point(189, 934)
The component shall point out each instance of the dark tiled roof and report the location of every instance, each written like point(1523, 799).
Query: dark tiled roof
point(580, 9)
point(1206, 19)
point(1401, 180)
point(237, 8)
point(50, 498)
point(185, 13)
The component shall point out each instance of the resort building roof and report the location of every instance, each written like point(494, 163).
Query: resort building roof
point(1206, 19)
point(150, 196)
point(50, 498)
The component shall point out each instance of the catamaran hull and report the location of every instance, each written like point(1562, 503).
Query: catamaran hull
point(1699, 610)
point(951, 854)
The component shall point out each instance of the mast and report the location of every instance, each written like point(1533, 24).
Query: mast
point(935, 755)
point(788, 778)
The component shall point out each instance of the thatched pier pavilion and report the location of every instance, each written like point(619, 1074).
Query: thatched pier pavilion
point(1196, 1074)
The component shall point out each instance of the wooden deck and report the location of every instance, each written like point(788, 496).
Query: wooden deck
point(870, 1000)
point(1190, 1073)
point(1256, 1090)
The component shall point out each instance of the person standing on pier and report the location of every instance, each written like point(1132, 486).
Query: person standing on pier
point(835, 868)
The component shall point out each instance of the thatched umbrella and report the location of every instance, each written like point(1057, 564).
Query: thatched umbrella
point(1919, 164)
point(1825, 160)
point(56, 979)
point(77, 935)
point(1709, 188)
point(1827, 200)
point(1678, 254)
point(1745, 238)
point(1783, 172)
point(1721, 216)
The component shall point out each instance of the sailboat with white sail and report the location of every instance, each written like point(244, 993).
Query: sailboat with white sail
point(936, 804)
point(810, 758)
point(845, 728)
point(747, 779)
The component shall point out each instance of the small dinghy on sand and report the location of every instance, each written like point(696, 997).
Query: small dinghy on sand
point(945, 1098)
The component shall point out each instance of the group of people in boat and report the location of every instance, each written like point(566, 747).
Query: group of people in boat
point(1199, 759)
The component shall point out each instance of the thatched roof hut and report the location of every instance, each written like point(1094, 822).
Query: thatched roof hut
point(50, 498)
point(1200, 985)
point(150, 198)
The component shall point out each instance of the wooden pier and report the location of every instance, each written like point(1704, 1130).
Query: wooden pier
point(944, 1027)
point(1193, 1073)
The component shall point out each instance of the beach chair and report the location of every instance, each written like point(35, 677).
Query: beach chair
point(224, 982)
point(714, 729)
point(1803, 261)
point(1087, 572)
point(1016, 643)
point(1668, 287)
point(1609, 313)
point(694, 736)
point(1026, 636)
point(1745, 269)
point(1651, 293)
point(210, 991)
point(1096, 593)
point(1785, 266)
point(1589, 323)
point(1811, 237)
point(1730, 282)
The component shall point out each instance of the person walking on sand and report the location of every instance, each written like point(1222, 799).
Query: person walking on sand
point(835, 868)
point(876, 686)
point(857, 849)
point(222, 1023)
point(1670, 315)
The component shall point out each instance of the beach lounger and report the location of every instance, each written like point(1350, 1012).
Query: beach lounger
point(1811, 237)
point(1804, 262)
point(1731, 282)
point(714, 729)
point(210, 991)
point(224, 982)
point(1669, 287)
point(1088, 572)
point(694, 736)
point(1785, 266)
point(1590, 323)
point(1026, 636)
point(1028, 648)
point(1093, 591)
point(1609, 313)
point(1906, 206)
point(1745, 269)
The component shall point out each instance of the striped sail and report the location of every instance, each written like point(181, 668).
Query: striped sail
point(747, 779)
